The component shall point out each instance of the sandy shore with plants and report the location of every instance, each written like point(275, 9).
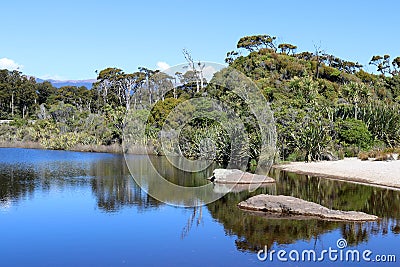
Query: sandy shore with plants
point(379, 173)
point(79, 148)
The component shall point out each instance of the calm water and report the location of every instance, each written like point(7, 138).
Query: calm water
point(62, 208)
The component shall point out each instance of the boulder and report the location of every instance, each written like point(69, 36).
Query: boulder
point(291, 206)
point(235, 176)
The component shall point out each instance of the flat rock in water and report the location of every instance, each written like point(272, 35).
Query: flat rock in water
point(235, 176)
point(287, 205)
point(221, 188)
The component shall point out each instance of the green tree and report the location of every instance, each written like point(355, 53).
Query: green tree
point(44, 91)
point(355, 92)
point(287, 48)
point(256, 42)
point(382, 63)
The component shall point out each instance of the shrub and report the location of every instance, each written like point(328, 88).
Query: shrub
point(363, 156)
point(296, 156)
point(381, 156)
point(352, 132)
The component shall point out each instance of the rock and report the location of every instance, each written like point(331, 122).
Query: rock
point(225, 188)
point(328, 156)
point(291, 206)
point(235, 176)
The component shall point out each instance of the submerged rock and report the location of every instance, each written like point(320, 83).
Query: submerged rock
point(291, 206)
point(235, 176)
point(221, 188)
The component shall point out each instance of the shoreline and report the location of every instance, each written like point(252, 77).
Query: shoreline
point(384, 174)
point(115, 148)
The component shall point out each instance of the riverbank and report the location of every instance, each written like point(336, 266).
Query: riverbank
point(378, 173)
point(115, 148)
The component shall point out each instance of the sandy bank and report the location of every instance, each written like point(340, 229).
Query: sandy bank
point(380, 173)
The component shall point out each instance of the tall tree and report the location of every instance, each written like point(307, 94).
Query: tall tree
point(197, 70)
point(355, 92)
point(105, 84)
point(396, 66)
point(382, 63)
point(44, 91)
point(256, 42)
point(287, 48)
point(128, 85)
point(148, 73)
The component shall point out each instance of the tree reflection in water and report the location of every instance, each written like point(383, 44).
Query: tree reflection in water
point(254, 231)
point(109, 180)
point(113, 187)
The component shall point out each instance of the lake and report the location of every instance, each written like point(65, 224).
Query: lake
point(60, 208)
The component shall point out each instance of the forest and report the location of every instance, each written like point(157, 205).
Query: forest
point(324, 107)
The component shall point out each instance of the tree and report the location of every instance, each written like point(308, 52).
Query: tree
point(106, 84)
point(351, 67)
point(231, 56)
point(27, 96)
point(79, 97)
point(162, 84)
point(287, 48)
point(197, 70)
point(44, 91)
point(305, 56)
point(340, 64)
point(318, 52)
point(354, 92)
point(148, 73)
point(128, 84)
point(256, 42)
point(382, 63)
point(396, 65)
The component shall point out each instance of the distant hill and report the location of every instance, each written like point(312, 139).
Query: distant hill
point(78, 83)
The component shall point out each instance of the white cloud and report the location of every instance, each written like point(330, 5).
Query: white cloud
point(163, 65)
point(9, 64)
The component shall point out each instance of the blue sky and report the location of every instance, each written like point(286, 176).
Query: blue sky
point(71, 39)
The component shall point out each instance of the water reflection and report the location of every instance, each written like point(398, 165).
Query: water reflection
point(113, 188)
point(253, 231)
point(108, 178)
point(161, 179)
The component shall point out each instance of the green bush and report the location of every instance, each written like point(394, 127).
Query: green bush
point(296, 156)
point(352, 132)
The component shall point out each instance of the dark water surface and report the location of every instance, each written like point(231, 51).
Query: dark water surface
point(62, 208)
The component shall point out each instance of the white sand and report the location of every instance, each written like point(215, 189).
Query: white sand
point(381, 173)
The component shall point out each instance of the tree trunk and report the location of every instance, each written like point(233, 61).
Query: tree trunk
point(149, 89)
point(174, 91)
point(12, 104)
point(23, 111)
point(201, 80)
point(355, 110)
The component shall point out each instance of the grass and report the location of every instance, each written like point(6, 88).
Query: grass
point(380, 154)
